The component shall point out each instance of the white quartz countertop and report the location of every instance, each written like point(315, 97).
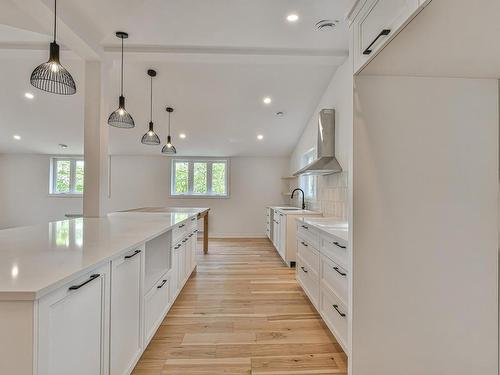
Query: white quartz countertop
point(329, 226)
point(37, 259)
point(290, 210)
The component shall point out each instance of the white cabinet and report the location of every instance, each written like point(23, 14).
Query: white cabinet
point(276, 229)
point(282, 237)
point(156, 303)
point(72, 336)
point(375, 24)
point(125, 321)
point(308, 280)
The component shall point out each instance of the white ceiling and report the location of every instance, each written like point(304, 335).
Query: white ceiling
point(216, 60)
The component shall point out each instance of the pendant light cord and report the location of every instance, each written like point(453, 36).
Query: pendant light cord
point(121, 85)
point(169, 123)
point(55, 18)
point(151, 108)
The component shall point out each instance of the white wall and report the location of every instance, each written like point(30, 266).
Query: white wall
point(138, 181)
point(24, 192)
point(425, 240)
point(331, 196)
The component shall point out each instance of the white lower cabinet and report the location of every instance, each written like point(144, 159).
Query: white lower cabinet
point(334, 313)
point(156, 303)
point(72, 326)
point(323, 273)
point(125, 320)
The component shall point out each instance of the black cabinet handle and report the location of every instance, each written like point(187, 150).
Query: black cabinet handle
point(132, 255)
point(303, 269)
point(303, 243)
point(191, 235)
point(303, 226)
point(368, 49)
point(193, 219)
point(339, 271)
point(336, 307)
point(176, 247)
point(184, 240)
point(162, 283)
point(181, 226)
point(339, 245)
point(91, 278)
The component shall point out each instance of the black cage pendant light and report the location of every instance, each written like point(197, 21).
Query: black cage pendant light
point(169, 148)
point(121, 118)
point(51, 76)
point(151, 138)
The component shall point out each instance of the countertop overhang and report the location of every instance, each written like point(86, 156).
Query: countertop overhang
point(40, 258)
point(330, 226)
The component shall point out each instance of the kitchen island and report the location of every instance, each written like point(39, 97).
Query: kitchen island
point(85, 296)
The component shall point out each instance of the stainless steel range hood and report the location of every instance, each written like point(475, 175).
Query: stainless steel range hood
point(326, 162)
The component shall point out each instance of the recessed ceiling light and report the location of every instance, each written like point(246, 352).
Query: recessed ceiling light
point(292, 17)
point(16, 137)
point(182, 135)
point(260, 137)
point(267, 100)
point(62, 145)
point(29, 95)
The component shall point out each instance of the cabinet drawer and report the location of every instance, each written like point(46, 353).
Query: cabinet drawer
point(334, 277)
point(179, 232)
point(156, 303)
point(376, 23)
point(335, 249)
point(309, 254)
point(309, 234)
point(334, 312)
point(308, 280)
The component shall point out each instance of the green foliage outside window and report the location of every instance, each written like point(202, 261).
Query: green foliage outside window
point(63, 176)
point(181, 178)
point(219, 178)
point(200, 178)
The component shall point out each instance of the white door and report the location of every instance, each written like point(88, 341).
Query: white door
point(125, 323)
point(72, 329)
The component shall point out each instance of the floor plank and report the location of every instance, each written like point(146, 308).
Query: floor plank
point(242, 312)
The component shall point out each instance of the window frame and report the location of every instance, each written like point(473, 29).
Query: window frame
point(72, 177)
point(191, 162)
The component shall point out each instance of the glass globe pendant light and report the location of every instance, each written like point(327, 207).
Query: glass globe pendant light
point(121, 118)
point(51, 76)
point(151, 138)
point(169, 148)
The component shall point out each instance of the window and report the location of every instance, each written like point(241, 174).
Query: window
point(200, 177)
point(66, 176)
point(309, 183)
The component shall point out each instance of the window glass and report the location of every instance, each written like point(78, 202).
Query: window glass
point(200, 178)
point(181, 177)
point(63, 176)
point(79, 176)
point(219, 178)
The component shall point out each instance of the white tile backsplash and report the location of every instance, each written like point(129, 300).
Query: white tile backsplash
point(331, 196)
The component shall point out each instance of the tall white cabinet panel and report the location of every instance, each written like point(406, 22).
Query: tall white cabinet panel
point(156, 303)
point(72, 329)
point(125, 323)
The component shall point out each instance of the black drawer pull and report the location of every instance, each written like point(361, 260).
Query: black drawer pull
point(193, 219)
point(162, 283)
point(303, 226)
point(179, 245)
point(339, 271)
point(132, 255)
point(303, 269)
point(91, 278)
point(339, 245)
point(303, 243)
point(336, 307)
point(368, 49)
point(182, 226)
point(184, 240)
point(191, 235)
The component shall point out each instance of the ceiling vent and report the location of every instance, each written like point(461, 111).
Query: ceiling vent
point(327, 24)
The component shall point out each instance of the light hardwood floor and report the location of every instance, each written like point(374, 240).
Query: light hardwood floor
point(242, 312)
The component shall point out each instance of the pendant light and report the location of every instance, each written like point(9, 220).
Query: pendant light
point(51, 76)
point(121, 118)
point(169, 148)
point(151, 138)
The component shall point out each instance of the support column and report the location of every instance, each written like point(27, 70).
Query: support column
point(95, 144)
